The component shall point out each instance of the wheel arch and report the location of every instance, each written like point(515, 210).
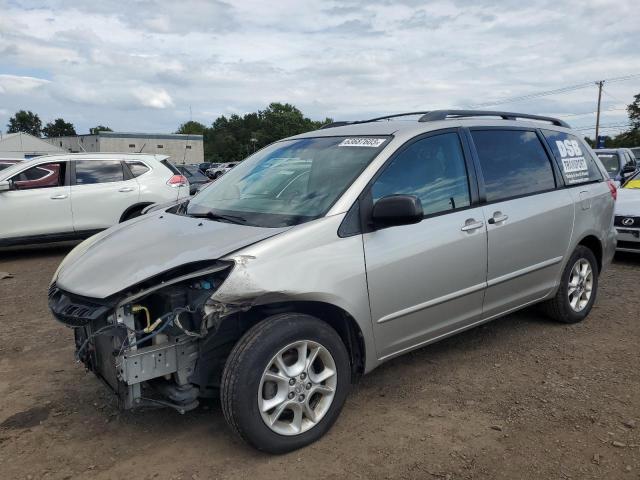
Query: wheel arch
point(595, 245)
point(340, 320)
point(132, 208)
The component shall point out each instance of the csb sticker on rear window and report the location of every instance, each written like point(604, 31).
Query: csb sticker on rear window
point(362, 142)
point(573, 162)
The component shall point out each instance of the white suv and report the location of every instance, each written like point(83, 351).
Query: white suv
point(62, 197)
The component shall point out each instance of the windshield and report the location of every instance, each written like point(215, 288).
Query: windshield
point(288, 182)
point(610, 162)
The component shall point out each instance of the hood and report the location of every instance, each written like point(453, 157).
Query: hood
point(628, 202)
point(131, 252)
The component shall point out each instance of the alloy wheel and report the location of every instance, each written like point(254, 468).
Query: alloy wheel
point(297, 387)
point(580, 285)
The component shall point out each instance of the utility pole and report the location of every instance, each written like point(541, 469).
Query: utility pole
point(600, 83)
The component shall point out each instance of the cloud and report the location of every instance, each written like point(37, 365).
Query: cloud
point(153, 97)
point(19, 85)
point(145, 64)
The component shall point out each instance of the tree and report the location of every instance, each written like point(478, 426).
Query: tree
point(98, 129)
point(192, 128)
point(633, 109)
point(25, 121)
point(59, 128)
point(630, 138)
point(236, 137)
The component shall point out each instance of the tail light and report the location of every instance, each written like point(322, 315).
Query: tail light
point(178, 181)
point(613, 189)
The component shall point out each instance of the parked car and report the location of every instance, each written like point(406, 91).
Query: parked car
point(196, 178)
point(7, 162)
point(620, 163)
point(69, 196)
point(627, 216)
point(328, 253)
point(204, 166)
point(220, 169)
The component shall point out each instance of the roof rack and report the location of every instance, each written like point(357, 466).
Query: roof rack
point(386, 117)
point(436, 115)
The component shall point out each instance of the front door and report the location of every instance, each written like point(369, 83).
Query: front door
point(427, 279)
point(38, 204)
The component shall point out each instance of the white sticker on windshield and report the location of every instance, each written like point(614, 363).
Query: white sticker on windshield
point(362, 142)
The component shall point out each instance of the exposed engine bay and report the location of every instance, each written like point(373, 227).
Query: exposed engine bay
point(146, 343)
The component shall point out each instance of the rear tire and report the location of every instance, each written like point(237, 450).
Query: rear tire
point(276, 393)
point(578, 288)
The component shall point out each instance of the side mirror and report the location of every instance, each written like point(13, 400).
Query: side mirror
point(5, 186)
point(397, 210)
point(628, 169)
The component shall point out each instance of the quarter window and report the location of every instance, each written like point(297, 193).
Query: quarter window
point(432, 169)
point(513, 162)
point(137, 168)
point(573, 157)
point(98, 171)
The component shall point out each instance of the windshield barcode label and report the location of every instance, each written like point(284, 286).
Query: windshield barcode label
point(362, 142)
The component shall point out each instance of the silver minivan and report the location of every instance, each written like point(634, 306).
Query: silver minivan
point(325, 254)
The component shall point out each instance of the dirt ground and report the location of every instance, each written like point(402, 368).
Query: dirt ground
point(521, 397)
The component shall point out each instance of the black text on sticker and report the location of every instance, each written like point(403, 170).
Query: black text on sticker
point(362, 142)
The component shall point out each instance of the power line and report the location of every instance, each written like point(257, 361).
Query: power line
point(592, 127)
point(612, 96)
point(556, 91)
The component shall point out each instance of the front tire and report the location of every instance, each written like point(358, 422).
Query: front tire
point(578, 288)
point(285, 382)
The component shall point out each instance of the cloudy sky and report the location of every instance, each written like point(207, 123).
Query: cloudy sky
point(143, 65)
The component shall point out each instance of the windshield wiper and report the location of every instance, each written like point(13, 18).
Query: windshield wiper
point(218, 216)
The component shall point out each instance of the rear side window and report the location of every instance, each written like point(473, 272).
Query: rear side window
point(432, 169)
point(514, 163)
point(98, 171)
point(573, 158)
point(137, 168)
point(170, 166)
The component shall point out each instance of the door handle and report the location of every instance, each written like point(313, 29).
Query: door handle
point(60, 196)
point(471, 225)
point(498, 217)
point(126, 189)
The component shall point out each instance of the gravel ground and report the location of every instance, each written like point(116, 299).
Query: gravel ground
point(521, 397)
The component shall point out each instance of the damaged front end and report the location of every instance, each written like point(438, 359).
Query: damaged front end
point(147, 343)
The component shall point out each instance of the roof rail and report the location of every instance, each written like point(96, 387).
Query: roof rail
point(386, 117)
point(334, 124)
point(444, 114)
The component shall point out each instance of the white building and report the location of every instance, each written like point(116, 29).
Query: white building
point(181, 148)
point(24, 145)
